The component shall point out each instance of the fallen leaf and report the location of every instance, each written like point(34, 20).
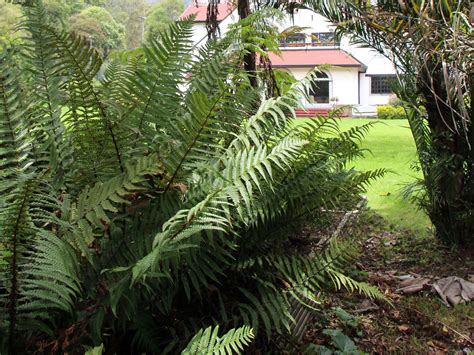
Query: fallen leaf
point(366, 306)
point(404, 328)
point(440, 346)
point(413, 285)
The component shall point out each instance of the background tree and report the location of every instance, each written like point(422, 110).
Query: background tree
point(59, 12)
point(135, 25)
point(160, 15)
point(99, 27)
point(9, 17)
point(131, 14)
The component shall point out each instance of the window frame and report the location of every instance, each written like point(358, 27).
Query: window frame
point(321, 77)
point(327, 42)
point(301, 37)
point(378, 87)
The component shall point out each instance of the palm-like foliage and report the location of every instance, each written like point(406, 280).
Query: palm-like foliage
point(141, 208)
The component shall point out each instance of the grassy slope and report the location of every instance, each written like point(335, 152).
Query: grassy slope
point(391, 146)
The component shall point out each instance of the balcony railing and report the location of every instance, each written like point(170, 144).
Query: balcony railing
point(322, 39)
point(309, 45)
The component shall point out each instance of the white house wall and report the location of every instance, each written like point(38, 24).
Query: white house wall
point(367, 98)
point(199, 34)
point(348, 85)
point(310, 21)
point(344, 84)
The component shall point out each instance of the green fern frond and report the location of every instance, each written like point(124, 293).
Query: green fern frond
point(266, 308)
point(16, 231)
point(95, 203)
point(340, 281)
point(49, 129)
point(38, 270)
point(201, 123)
point(207, 341)
point(15, 136)
point(155, 87)
point(272, 115)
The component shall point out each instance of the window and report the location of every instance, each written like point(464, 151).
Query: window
point(319, 92)
point(324, 39)
point(381, 84)
point(295, 40)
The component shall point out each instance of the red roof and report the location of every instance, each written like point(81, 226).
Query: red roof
point(312, 58)
point(224, 9)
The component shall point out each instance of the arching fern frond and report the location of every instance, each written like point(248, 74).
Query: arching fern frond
point(15, 137)
point(266, 308)
point(207, 341)
point(155, 88)
point(95, 203)
point(16, 232)
point(38, 271)
point(53, 147)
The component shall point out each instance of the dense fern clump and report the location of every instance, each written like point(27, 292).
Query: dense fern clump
point(137, 209)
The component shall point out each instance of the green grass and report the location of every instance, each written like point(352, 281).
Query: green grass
point(390, 146)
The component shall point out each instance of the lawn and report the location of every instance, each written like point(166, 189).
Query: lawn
point(390, 146)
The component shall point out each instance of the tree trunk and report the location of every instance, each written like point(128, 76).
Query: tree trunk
point(450, 174)
point(250, 59)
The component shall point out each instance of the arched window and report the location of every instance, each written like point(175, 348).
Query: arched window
point(320, 89)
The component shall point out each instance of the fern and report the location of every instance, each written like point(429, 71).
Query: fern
point(49, 128)
point(94, 203)
point(143, 206)
point(16, 231)
point(207, 341)
point(15, 147)
point(38, 270)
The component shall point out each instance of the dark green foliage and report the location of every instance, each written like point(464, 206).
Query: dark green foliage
point(160, 200)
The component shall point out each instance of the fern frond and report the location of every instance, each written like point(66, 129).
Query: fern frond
point(340, 281)
point(207, 341)
point(16, 231)
point(272, 115)
point(50, 132)
point(201, 123)
point(206, 215)
point(53, 272)
point(156, 86)
point(266, 307)
point(15, 140)
point(95, 203)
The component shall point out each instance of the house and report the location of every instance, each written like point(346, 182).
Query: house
point(353, 76)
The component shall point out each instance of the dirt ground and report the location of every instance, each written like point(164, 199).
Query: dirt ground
point(416, 322)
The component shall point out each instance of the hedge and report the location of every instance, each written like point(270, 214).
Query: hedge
point(390, 112)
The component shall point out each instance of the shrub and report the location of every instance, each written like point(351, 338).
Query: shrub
point(138, 211)
point(389, 112)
